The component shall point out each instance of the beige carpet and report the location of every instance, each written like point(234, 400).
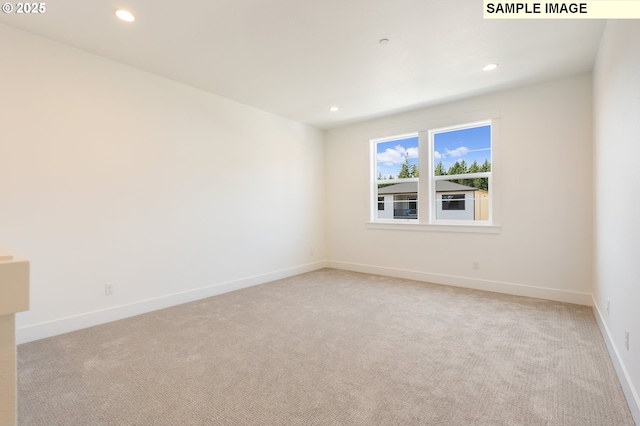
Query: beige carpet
point(330, 348)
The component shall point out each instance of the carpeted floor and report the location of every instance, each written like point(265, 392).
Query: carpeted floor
point(330, 348)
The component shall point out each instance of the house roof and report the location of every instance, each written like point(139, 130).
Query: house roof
point(445, 185)
point(412, 187)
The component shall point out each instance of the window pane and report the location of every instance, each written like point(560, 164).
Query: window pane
point(397, 159)
point(398, 201)
point(462, 151)
point(462, 199)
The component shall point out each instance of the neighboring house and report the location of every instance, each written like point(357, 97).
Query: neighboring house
point(398, 201)
point(453, 201)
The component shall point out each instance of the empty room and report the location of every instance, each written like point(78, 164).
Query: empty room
point(318, 213)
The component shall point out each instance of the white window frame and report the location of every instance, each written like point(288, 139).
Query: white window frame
point(374, 188)
point(427, 197)
point(433, 198)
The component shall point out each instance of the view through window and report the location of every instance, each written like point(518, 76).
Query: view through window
point(456, 181)
point(461, 172)
point(397, 173)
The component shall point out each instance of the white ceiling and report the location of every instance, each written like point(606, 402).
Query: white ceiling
point(296, 58)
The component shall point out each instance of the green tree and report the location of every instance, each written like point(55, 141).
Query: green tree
point(456, 169)
point(439, 171)
point(463, 170)
point(482, 183)
point(463, 167)
point(473, 168)
point(405, 169)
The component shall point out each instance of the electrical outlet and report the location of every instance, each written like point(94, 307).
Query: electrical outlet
point(608, 307)
point(626, 339)
point(476, 264)
point(108, 289)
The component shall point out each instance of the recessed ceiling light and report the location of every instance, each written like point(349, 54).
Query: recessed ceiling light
point(384, 41)
point(125, 15)
point(334, 109)
point(490, 67)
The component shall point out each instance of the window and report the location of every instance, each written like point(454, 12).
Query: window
point(461, 171)
point(455, 186)
point(453, 201)
point(397, 172)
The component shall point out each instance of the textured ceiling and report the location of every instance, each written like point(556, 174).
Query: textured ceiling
point(296, 58)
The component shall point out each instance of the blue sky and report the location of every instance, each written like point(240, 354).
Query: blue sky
point(449, 147)
point(465, 144)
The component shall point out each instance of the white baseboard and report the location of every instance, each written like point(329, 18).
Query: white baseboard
point(476, 284)
point(43, 330)
point(623, 376)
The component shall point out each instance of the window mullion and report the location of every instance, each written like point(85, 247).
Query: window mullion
point(424, 182)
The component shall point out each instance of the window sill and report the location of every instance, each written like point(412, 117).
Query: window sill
point(407, 226)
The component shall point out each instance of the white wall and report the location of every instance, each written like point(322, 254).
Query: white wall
point(617, 199)
point(111, 174)
point(543, 182)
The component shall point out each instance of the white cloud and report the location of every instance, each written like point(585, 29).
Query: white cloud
point(458, 152)
point(390, 157)
point(412, 152)
point(397, 154)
